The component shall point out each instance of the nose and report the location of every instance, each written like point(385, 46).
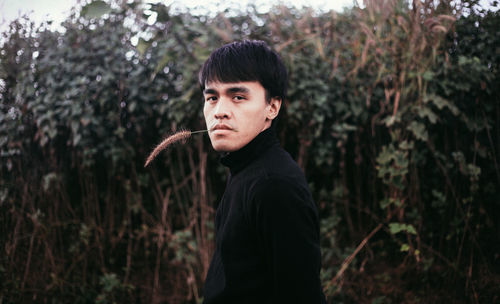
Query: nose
point(222, 110)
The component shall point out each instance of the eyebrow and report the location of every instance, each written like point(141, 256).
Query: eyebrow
point(237, 90)
point(209, 91)
point(230, 90)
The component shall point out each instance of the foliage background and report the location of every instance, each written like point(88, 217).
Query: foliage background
point(392, 113)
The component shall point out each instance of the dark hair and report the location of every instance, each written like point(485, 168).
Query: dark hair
point(247, 60)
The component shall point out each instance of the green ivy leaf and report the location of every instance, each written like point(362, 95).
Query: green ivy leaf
point(404, 248)
point(428, 75)
point(95, 9)
point(395, 228)
point(425, 112)
point(418, 129)
point(440, 103)
point(142, 46)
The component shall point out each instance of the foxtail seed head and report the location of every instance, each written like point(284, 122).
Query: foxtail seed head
point(181, 135)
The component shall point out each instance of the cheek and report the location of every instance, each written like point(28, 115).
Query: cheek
point(258, 116)
point(205, 112)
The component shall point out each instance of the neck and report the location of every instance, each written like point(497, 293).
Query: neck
point(237, 160)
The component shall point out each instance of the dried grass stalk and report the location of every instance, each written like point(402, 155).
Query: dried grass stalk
point(181, 135)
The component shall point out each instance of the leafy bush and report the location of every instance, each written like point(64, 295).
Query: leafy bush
point(392, 113)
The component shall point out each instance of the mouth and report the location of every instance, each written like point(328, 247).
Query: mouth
point(221, 126)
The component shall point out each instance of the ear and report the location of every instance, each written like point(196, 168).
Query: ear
point(273, 108)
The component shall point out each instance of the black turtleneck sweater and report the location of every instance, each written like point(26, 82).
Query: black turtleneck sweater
point(267, 231)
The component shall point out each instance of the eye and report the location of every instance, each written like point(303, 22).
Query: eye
point(211, 99)
point(239, 98)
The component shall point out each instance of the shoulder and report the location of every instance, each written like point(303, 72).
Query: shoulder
point(275, 177)
point(281, 200)
point(277, 188)
point(282, 182)
point(276, 171)
point(279, 166)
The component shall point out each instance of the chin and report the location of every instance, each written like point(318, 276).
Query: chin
point(225, 146)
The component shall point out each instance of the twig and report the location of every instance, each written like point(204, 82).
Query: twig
point(349, 259)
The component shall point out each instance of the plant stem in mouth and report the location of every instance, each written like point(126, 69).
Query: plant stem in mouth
point(200, 131)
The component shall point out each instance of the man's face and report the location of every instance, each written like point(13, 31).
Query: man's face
point(236, 113)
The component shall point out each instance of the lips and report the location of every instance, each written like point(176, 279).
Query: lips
point(221, 126)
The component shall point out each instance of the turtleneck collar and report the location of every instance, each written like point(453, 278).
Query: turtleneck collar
point(238, 160)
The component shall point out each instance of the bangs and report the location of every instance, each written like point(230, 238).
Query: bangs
point(229, 66)
point(227, 74)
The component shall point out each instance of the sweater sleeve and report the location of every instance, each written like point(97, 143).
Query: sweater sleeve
point(287, 225)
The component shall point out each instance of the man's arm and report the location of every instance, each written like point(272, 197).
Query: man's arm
point(287, 225)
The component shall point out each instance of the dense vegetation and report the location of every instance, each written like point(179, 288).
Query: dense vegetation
point(393, 113)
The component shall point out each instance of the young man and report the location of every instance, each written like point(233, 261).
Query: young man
point(267, 231)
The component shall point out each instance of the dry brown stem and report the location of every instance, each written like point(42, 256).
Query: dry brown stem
point(349, 259)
